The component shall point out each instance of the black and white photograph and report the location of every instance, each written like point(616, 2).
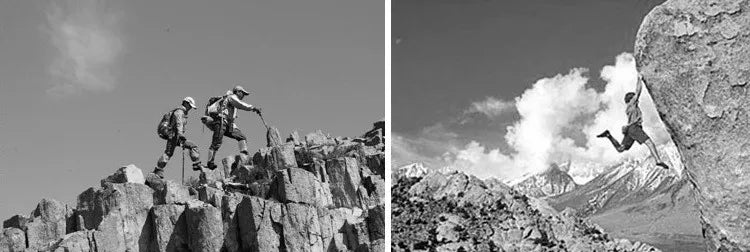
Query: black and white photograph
point(587, 125)
point(186, 125)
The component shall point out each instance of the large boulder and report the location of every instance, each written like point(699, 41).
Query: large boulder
point(119, 212)
point(344, 179)
point(48, 224)
point(260, 223)
point(301, 186)
point(230, 220)
point(695, 57)
point(126, 174)
point(205, 230)
point(170, 192)
point(12, 240)
point(80, 241)
point(169, 228)
point(301, 228)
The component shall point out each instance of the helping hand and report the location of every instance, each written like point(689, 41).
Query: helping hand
point(257, 110)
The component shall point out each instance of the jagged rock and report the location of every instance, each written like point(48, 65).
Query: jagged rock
point(205, 230)
point(260, 220)
point(301, 228)
point(210, 195)
point(17, 221)
point(282, 156)
point(80, 241)
point(317, 138)
point(267, 204)
point(170, 192)
point(214, 178)
point(344, 180)
point(376, 222)
point(454, 211)
point(376, 164)
point(119, 213)
point(294, 138)
point(169, 228)
point(300, 186)
point(695, 57)
point(12, 240)
point(273, 138)
point(126, 174)
point(357, 237)
point(374, 192)
point(230, 219)
point(47, 225)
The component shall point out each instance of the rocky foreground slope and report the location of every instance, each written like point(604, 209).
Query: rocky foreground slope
point(458, 212)
point(695, 56)
point(316, 194)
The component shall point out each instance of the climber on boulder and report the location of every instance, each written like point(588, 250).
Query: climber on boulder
point(220, 116)
point(633, 131)
point(172, 129)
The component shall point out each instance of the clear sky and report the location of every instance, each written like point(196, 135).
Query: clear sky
point(465, 72)
point(84, 83)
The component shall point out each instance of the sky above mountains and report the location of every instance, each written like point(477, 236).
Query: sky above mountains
point(83, 83)
point(505, 88)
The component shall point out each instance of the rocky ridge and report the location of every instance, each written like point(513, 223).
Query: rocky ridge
point(695, 57)
point(458, 212)
point(313, 194)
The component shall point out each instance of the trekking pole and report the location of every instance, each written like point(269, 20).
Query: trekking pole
point(183, 166)
point(264, 121)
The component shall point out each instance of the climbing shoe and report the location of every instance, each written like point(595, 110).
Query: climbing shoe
point(604, 134)
point(662, 165)
point(211, 166)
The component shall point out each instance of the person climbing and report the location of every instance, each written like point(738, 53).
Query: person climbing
point(633, 131)
point(172, 129)
point(222, 114)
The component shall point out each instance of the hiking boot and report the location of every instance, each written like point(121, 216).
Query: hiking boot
point(211, 166)
point(198, 166)
point(662, 165)
point(159, 173)
point(603, 134)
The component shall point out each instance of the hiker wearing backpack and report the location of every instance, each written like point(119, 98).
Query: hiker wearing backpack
point(221, 113)
point(172, 129)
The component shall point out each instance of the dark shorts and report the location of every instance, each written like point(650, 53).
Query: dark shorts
point(222, 130)
point(635, 133)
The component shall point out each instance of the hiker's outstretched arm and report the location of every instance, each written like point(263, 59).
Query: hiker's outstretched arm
point(237, 103)
point(179, 120)
point(639, 87)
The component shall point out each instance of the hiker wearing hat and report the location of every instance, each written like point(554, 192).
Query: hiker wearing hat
point(172, 129)
point(222, 114)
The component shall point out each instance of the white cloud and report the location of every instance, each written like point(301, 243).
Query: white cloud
point(559, 119)
point(490, 107)
point(86, 36)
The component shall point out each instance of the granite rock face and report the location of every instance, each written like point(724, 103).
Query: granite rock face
point(695, 57)
point(281, 199)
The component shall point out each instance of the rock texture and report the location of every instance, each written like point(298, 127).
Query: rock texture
point(457, 212)
point(320, 194)
point(694, 54)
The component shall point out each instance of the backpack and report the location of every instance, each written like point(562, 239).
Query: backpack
point(214, 107)
point(165, 129)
